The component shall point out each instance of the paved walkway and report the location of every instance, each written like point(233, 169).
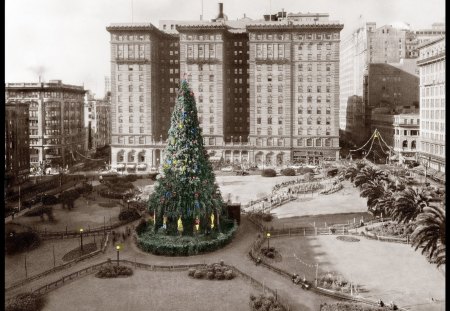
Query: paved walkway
point(234, 254)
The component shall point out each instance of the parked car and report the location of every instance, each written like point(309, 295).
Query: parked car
point(242, 173)
point(227, 169)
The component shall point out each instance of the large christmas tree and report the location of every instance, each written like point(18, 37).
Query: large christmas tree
point(186, 195)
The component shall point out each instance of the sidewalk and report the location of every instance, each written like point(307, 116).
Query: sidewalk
point(235, 254)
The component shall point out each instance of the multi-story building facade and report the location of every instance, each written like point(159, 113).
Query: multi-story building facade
point(17, 143)
point(267, 91)
point(384, 86)
point(56, 122)
point(399, 131)
point(370, 45)
point(406, 136)
point(432, 105)
point(97, 121)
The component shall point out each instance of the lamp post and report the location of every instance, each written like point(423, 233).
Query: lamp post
point(81, 239)
point(268, 239)
point(118, 249)
point(128, 204)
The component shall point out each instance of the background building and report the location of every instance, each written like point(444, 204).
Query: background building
point(406, 136)
point(432, 106)
point(17, 143)
point(267, 91)
point(395, 45)
point(97, 121)
point(56, 122)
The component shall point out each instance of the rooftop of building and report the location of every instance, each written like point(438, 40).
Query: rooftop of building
point(431, 42)
point(44, 85)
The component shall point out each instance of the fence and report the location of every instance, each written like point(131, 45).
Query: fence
point(91, 269)
point(47, 235)
point(61, 267)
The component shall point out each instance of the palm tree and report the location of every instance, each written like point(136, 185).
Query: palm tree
point(379, 196)
point(350, 173)
point(369, 173)
point(409, 204)
point(430, 233)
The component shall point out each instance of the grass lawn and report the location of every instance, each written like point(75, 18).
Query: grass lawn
point(318, 220)
point(152, 290)
point(346, 200)
point(388, 271)
point(87, 213)
point(41, 258)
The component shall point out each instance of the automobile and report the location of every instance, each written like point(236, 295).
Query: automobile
point(242, 173)
point(227, 169)
point(296, 166)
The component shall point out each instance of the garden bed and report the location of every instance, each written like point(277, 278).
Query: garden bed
point(166, 245)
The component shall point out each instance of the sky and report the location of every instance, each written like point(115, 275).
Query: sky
point(67, 39)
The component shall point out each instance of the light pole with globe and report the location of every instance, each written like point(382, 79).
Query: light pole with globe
point(118, 249)
point(81, 239)
point(268, 239)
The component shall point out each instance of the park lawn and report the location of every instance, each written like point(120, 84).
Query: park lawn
point(346, 200)
point(86, 214)
point(41, 258)
point(387, 271)
point(152, 290)
point(319, 220)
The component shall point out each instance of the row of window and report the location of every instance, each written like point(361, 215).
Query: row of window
point(130, 98)
point(201, 37)
point(299, 36)
point(130, 37)
point(433, 126)
point(309, 142)
point(130, 88)
point(433, 149)
point(131, 119)
point(433, 114)
point(317, 57)
point(130, 109)
point(131, 140)
point(131, 129)
point(127, 67)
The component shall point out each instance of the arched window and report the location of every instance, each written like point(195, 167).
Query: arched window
point(413, 145)
point(405, 144)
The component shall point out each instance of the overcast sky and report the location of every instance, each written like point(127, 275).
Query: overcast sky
point(67, 39)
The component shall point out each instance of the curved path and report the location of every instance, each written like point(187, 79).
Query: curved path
point(235, 253)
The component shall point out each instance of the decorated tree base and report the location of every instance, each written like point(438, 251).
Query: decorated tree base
point(160, 243)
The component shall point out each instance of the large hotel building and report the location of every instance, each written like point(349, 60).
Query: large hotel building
point(267, 91)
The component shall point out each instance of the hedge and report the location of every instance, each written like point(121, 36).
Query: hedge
point(161, 244)
point(17, 242)
point(26, 302)
point(113, 271)
point(128, 214)
point(268, 172)
point(288, 172)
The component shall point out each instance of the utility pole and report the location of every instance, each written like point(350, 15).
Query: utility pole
point(317, 273)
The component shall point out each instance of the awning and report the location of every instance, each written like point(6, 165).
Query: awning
point(131, 166)
point(120, 165)
point(440, 176)
point(142, 166)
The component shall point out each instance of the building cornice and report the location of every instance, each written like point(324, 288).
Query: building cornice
point(293, 27)
point(431, 59)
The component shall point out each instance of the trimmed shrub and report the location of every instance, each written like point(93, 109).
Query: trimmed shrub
point(107, 204)
point(351, 306)
point(304, 170)
point(210, 275)
point(26, 302)
point(288, 172)
point(219, 276)
point(267, 217)
point(268, 173)
point(17, 242)
point(191, 272)
point(266, 303)
point(228, 274)
point(128, 214)
point(162, 244)
point(199, 274)
point(49, 200)
point(113, 271)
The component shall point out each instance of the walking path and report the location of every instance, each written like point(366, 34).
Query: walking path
point(236, 254)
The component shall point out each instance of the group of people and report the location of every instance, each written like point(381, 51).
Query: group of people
point(123, 235)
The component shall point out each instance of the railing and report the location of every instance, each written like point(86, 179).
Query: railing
point(61, 267)
point(89, 270)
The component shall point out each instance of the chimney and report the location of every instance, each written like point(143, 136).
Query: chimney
point(220, 10)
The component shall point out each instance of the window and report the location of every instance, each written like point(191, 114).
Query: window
point(280, 121)
point(300, 121)
point(309, 142)
point(280, 110)
point(258, 120)
point(309, 99)
point(269, 120)
point(328, 132)
point(328, 67)
point(319, 110)
point(269, 110)
point(319, 89)
point(318, 142)
point(299, 142)
point(328, 121)
point(269, 131)
point(300, 110)
point(319, 121)
point(130, 88)
point(309, 121)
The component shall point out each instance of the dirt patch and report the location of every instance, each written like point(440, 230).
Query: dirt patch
point(347, 238)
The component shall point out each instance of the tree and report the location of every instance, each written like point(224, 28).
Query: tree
point(430, 233)
point(369, 173)
point(409, 204)
point(186, 187)
point(350, 173)
point(379, 196)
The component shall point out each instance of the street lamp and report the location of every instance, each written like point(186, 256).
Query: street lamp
point(268, 239)
point(81, 239)
point(128, 204)
point(118, 249)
